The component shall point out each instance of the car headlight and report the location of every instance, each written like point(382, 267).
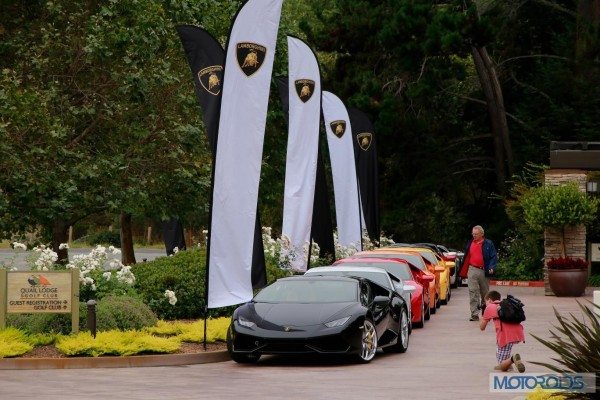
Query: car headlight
point(245, 322)
point(337, 322)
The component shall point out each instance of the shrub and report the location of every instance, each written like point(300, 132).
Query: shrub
point(101, 275)
point(184, 273)
point(46, 323)
point(557, 207)
point(193, 332)
point(576, 344)
point(541, 394)
point(121, 312)
point(115, 343)
point(13, 342)
point(594, 280)
point(520, 259)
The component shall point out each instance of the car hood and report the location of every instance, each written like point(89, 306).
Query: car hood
point(274, 315)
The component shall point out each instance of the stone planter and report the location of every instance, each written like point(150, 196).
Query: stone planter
point(568, 282)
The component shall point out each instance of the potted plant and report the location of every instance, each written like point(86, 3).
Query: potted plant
point(567, 276)
point(556, 208)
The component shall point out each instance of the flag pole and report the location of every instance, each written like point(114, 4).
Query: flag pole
point(360, 217)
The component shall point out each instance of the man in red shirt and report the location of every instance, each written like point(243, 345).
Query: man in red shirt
point(479, 262)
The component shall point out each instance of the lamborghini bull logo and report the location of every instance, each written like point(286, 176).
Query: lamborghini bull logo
point(305, 89)
point(251, 60)
point(338, 128)
point(210, 79)
point(250, 57)
point(364, 140)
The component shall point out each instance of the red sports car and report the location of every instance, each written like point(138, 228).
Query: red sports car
point(401, 269)
point(420, 271)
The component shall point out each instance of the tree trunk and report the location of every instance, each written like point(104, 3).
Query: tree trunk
point(492, 91)
point(60, 234)
point(127, 254)
point(500, 110)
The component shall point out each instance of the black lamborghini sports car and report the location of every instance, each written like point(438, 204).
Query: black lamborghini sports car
point(319, 315)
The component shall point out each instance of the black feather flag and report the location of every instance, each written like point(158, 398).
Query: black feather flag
point(365, 154)
point(322, 226)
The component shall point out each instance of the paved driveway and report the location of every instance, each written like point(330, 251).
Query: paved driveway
point(448, 359)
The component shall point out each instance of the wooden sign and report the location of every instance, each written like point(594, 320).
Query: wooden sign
point(30, 292)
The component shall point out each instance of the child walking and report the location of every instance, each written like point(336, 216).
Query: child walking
point(507, 334)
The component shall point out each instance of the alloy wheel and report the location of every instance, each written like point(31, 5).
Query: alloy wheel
point(369, 341)
point(404, 331)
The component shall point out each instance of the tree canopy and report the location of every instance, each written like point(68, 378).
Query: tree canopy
point(98, 114)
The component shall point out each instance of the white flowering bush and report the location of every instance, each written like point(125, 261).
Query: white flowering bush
point(18, 248)
point(342, 251)
point(100, 275)
point(45, 258)
point(282, 253)
point(385, 241)
point(367, 244)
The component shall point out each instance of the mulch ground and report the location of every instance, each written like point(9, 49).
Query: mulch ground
point(186, 348)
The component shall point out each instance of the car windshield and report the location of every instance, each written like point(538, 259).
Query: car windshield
point(398, 269)
point(429, 256)
point(414, 259)
point(308, 291)
point(379, 278)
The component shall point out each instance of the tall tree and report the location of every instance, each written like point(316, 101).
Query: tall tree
point(93, 114)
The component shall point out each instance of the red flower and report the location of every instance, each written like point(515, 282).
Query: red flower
point(567, 263)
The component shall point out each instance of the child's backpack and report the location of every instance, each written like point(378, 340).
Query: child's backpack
point(511, 310)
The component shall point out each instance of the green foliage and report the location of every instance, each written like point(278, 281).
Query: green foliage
point(41, 339)
point(13, 342)
point(594, 280)
point(216, 330)
point(46, 323)
point(112, 312)
point(105, 287)
point(576, 343)
point(115, 343)
point(111, 128)
point(427, 220)
point(558, 207)
point(164, 337)
point(273, 270)
point(112, 238)
point(520, 258)
point(183, 273)
point(121, 312)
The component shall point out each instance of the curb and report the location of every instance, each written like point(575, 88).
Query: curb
point(114, 362)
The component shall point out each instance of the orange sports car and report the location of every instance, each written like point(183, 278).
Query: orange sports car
point(438, 265)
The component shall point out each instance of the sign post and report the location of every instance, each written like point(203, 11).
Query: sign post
point(3, 298)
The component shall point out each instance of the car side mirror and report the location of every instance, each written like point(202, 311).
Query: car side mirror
point(439, 269)
point(409, 288)
point(428, 278)
point(381, 301)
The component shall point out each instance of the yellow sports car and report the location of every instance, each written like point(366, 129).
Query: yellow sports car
point(439, 266)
